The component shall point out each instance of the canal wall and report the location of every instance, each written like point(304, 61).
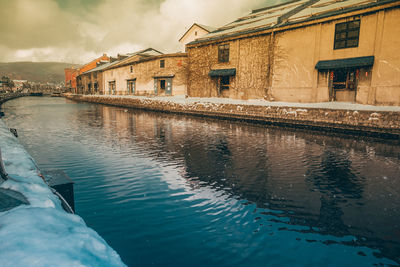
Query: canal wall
point(35, 230)
point(8, 96)
point(375, 123)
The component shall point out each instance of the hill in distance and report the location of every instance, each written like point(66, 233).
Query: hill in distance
point(43, 72)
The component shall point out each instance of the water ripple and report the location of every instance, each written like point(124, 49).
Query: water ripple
point(174, 190)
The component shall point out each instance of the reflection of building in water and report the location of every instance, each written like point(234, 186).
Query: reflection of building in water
point(308, 178)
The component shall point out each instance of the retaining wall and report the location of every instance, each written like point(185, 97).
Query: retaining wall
point(8, 96)
point(377, 124)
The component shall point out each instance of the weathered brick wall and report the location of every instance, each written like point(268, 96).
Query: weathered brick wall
point(381, 124)
point(201, 60)
point(252, 80)
point(248, 56)
point(91, 78)
point(144, 73)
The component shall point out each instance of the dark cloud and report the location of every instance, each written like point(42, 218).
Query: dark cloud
point(78, 30)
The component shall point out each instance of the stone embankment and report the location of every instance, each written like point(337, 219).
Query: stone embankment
point(35, 230)
point(381, 124)
point(8, 96)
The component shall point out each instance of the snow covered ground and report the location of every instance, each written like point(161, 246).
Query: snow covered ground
point(181, 99)
point(42, 233)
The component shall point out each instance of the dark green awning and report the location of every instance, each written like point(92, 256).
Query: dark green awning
point(222, 72)
point(345, 63)
point(164, 76)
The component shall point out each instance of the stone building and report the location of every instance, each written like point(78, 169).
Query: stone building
point(147, 72)
point(303, 51)
point(73, 78)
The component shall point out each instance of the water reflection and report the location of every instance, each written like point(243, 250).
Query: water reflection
point(258, 182)
point(313, 183)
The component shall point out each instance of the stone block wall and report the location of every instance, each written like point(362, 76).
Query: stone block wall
point(248, 56)
point(365, 123)
point(144, 72)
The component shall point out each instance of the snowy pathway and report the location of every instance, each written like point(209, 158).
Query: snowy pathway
point(42, 233)
point(259, 102)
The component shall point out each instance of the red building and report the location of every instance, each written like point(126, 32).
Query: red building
point(72, 73)
point(70, 78)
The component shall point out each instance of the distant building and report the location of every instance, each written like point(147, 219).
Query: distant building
point(93, 64)
point(71, 74)
point(146, 72)
point(6, 84)
point(195, 31)
point(18, 84)
point(91, 82)
point(303, 51)
point(70, 78)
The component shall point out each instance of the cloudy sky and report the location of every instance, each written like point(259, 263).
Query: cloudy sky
point(77, 31)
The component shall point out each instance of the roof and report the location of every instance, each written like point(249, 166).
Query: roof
point(94, 60)
point(204, 27)
point(145, 53)
point(140, 59)
point(262, 18)
point(290, 13)
point(207, 28)
point(149, 52)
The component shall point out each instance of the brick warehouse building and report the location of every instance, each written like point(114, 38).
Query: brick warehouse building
point(71, 74)
point(147, 72)
point(303, 51)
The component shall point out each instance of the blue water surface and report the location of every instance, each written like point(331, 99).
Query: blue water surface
point(172, 190)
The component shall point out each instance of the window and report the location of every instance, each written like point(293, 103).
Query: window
point(111, 88)
point(162, 84)
point(131, 69)
point(224, 83)
point(195, 33)
point(347, 34)
point(96, 87)
point(162, 63)
point(223, 53)
point(131, 86)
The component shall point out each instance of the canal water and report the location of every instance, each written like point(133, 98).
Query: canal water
point(171, 190)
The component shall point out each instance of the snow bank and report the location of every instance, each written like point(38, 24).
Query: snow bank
point(181, 99)
point(42, 233)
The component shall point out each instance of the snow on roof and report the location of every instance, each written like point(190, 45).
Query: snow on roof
point(149, 52)
point(289, 13)
point(124, 58)
point(204, 27)
point(267, 17)
point(324, 6)
point(101, 67)
point(41, 233)
point(207, 28)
